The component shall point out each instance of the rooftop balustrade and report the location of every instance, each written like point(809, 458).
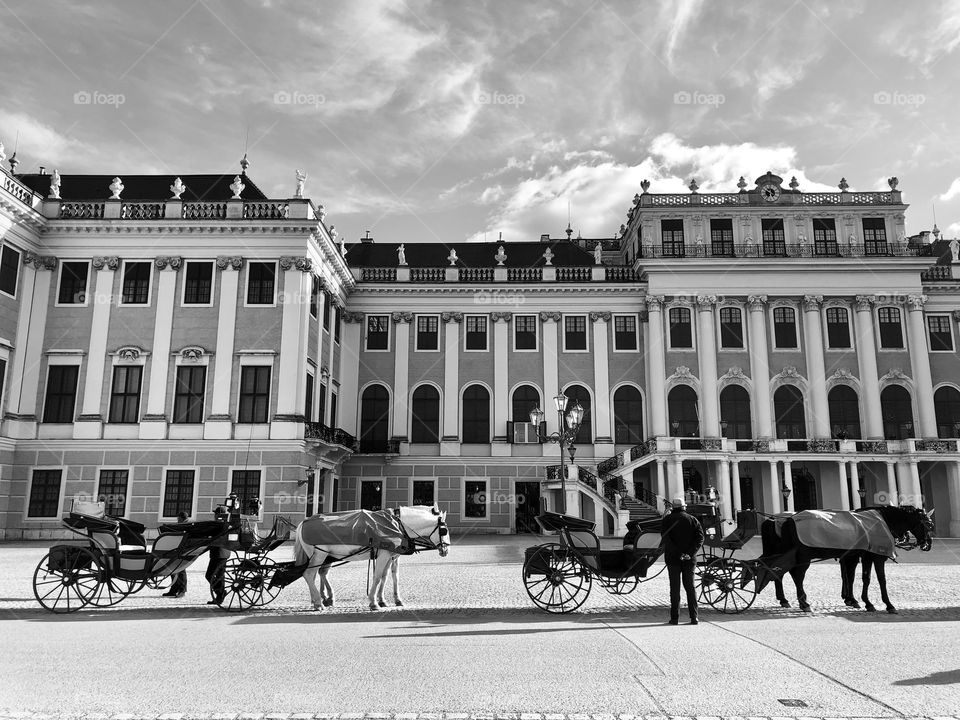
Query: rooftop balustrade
point(130, 210)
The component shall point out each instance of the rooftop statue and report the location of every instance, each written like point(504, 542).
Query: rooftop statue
point(55, 186)
point(301, 179)
point(116, 187)
point(401, 255)
point(177, 189)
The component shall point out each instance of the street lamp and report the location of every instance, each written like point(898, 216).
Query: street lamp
point(723, 428)
point(569, 425)
point(861, 491)
point(785, 491)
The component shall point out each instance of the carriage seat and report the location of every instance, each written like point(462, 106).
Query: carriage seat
point(612, 562)
point(110, 542)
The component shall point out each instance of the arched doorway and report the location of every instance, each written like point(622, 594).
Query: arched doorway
point(897, 411)
point(627, 416)
point(579, 394)
point(735, 412)
point(683, 412)
point(374, 419)
point(788, 409)
point(844, 413)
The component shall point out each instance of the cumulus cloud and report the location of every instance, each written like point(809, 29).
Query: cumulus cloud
point(952, 191)
point(59, 148)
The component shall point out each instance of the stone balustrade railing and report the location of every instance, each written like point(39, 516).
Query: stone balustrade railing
point(816, 198)
point(128, 210)
point(782, 250)
point(497, 274)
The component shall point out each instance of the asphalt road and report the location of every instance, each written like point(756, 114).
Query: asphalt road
point(469, 641)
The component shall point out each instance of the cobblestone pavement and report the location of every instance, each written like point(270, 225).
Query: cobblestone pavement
point(413, 716)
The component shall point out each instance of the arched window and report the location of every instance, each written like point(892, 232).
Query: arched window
point(476, 415)
point(788, 408)
point(946, 404)
point(425, 415)
point(578, 393)
point(735, 412)
point(627, 415)
point(374, 419)
point(683, 411)
point(897, 411)
point(525, 398)
point(844, 412)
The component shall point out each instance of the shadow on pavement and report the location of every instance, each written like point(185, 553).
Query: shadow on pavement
point(946, 677)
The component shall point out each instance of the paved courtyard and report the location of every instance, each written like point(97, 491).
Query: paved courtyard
point(469, 641)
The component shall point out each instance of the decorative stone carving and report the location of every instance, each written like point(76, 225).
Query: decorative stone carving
point(555, 316)
point(598, 253)
point(321, 212)
point(401, 317)
point(693, 186)
point(177, 189)
point(452, 257)
point(863, 302)
point(39, 262)
point(236, 187)
point(402, 255)
point(501, 316)
point(683, 371)
point(174, 262)
point(3, 154)
point(654, 302)
point(54, 186)
point(644, 185)
point(301, 179)
point(636, 200)
point(793, 183)
point(843, 374)
point(111, 263)
point(289, 262)
point(548, 254)
point(129, 353)
point(893, 182)
point(790, 372)
point(224, 262)
point(742, 184)
point(735, 372)
point(192, 353)
point(706, 302)
point(500, 256)
point(756, 302)
point(956, 315)
point(812, 302)
point(916, 302)
point(333, 236)
point(843, 185)
point(353, 317)
point(895, 374)
point(456, 317)
point(116, 187)
point(600, 316)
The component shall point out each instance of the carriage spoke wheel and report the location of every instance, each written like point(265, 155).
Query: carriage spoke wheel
point(113, 590)
point(556, 580)
point(242, 584)
point(621, 586)
point(698, 570)
point(728, 585)
point(267, 570)
point(67, 579)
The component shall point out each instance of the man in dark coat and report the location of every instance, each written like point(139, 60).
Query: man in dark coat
point(682, 537)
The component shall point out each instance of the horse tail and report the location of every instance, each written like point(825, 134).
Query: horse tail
point(300, 556)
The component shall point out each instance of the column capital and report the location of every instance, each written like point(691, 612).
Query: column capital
point(303, 264)
point(501, 316)
point(353, 317)
point(456, 317)
point(110, 263)
point(174, 263)
point(40, 262)
point(864, 302)
point(600, 316)
point(545, 316)
point(916, 302)
point(756, 302)
point(225, 263)
point(654, 302)
point(705, 303)
point(401, 317)
point(812, 303)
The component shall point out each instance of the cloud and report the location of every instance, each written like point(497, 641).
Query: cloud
point(952, 191)
point(58, 147)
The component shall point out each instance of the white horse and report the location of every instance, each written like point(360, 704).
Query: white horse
point(424, 527)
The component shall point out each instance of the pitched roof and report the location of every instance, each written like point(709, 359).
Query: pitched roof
point(519, 254)
point(209, 188)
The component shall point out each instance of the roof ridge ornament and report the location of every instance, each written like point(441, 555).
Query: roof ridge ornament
point(793, 183)
point(693, 186)
point(55, 185)
point(236, 187)
point(742, 184)
point(500, 256)
point(116, 187)
point(244, 164)
point(301, 179)
point(893, 182)
point(843, 184)
point(178, 188)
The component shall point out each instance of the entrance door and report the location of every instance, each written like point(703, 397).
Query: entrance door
point(804, 491)
point(527, 507)
point(371, 495)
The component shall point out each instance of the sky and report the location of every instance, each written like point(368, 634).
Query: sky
point(433, 121)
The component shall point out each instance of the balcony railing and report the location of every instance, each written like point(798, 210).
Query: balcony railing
point(573, 274)
point(20, 191)
point(524, 274)
point(780, 250)
point(425, 275)
point(81, 210)
point(299, 209)
point(335, 436)
point(481, 274)
point(141, 211)
point(204, 211)
point(846, 198)
point(266, 210)
point(378, 274)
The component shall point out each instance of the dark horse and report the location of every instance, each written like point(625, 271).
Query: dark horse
point(785, 552)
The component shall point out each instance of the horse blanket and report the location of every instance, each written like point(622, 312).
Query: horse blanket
point(843, 530)
point(379, 529)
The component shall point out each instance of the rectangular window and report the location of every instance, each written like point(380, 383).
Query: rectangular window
point(246, 485)
point(575, 332)
point(315, 293)
point(178, 493)
point(338, 318)
point(681, 332)
point(476, 332)
point(61, 393)
point(731, 328)
point(378, 332)
point(136, 283)
point(784, 327)
point(721, 237)
point(475, 499)
point(874, 236)
point(254, 394)
point(113, 491)
point(428, 332)
point(189, 393)
point(308, 401)
point(73, 283)
point(333, 410)
point(838, 328)
point(525, 332)
point(3, 377)
point(671, 234)
point(891, 331)
point(9, 270)
point(940, 336)
point(322, 404)
point(125, 394)
point(261, 283)
point(624, 332)
point(45, 494)
point(423, 492)
point(198, 283)
point(773, 238)
point(824, 237)
point(325, 299)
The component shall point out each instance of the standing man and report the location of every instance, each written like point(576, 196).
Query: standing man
point(682, 537)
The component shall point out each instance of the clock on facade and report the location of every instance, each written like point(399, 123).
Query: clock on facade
point(770, 192)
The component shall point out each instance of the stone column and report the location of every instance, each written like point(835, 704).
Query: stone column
point(153, 424)
point(844, 486)
point(331, 355)
point(450, 437)
point(656, 367)
point(953, 494)
point(89, 424)
point(916, 493)
point(867, 356)
point(707, 356)
point(401, 373)
point(676, 482)
point(856, 502)
point(219, 423)
point(813, 342)
point(501, 388)
point(551, 369)
point(772, 493)
point(788, 481)
point(892, 495)
point(287, 423)
point(920, 363)
point(726, 504)
point(601, 380)
point(662, 484)
point(350, 344)
point(760, 366)
point(736, 499)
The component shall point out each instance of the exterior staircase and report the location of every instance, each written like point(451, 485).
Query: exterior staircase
point(639, 510)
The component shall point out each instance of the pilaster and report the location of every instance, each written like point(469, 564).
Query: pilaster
point(760, 366)
point(501, 401)
point(450, 437)
point(601, 375)
point(920, 363)
point(867, 359)
point(656, 367)
point(813, 342)
point(401, 373)
point(89, 424)
point(551, 366)
point(349, 372)
point(219, 421)
point(708, 365)
point(292, 365)
point(153, 424)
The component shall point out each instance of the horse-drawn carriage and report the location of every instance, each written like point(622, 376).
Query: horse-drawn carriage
point(114, 561)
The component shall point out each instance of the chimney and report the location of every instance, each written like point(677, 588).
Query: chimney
point(42, 169)
point(545, 238)
point(366, 238)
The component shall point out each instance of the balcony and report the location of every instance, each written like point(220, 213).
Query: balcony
point(332, 436)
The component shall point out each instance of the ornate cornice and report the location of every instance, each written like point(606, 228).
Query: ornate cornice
point(896, 374)
point(600, 316)
point(842, 374)
point(734, 373)
point(434, 290)
point(173, 262)
point(193, 353)
point(401, 317)
point(456, 317)
point(756, 302)
point(224, 262)
point(111, 263)
point(555, 316)
point(129, 353)
point(812, 302)
point(303, 264)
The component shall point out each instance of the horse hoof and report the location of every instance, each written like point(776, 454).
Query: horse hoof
point(381, 603)
point(892, 610)
point(316, 607)
point(870, 608)
point(399, 603)
point(784, 603)
point(374, 606)
point(806, 608)
point(852, 603)
point(328, 603)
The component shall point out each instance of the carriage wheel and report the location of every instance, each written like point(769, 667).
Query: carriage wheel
point(155, 583)
point(72, 583)
point(242, 584)
point(114, 590)
point(702, 562)
point(267, 569)
point(621, 586)
point(726, 585)
point(556, 580)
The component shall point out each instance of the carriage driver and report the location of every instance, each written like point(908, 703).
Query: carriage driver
point(682, 536)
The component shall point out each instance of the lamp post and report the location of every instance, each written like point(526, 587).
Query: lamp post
point(861, 491)
point(785, 491)
point(564, 436)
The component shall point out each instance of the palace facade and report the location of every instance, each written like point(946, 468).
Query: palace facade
point(165, 341)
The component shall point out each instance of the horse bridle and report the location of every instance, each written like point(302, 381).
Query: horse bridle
point(425, 542)
point(908, 541)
